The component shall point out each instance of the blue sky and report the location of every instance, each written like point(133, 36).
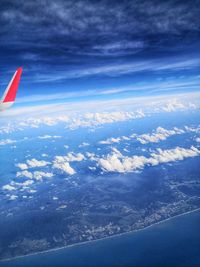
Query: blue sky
point(100, 49)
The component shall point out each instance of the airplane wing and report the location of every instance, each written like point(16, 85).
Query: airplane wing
point(9, 96)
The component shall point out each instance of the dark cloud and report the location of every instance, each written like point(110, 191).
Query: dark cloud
point(43, 33)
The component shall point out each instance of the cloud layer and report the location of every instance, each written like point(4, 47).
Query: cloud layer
point(60, 41)
point(116, 162)
point(160, 134)
point(93, 113)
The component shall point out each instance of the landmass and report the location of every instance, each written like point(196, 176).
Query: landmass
point(68, 214)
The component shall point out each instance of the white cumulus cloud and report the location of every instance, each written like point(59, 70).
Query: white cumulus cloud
point(8, 187)
point(159, 135)
point(36, 175)
point(32, 163)
point(25, 173)
point(97, 118)
point(110, 141)
point(7, 142)
point(84, 144)
point(22, 166)
point(13, 197)
point(49, 136)
point(36, 163)
point(63, 166)
point(70, 157)
point(39, 175)
point(116, 162)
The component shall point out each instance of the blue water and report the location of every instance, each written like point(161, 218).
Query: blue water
point(172, 243)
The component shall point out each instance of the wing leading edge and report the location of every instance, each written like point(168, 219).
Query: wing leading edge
point(9, 95)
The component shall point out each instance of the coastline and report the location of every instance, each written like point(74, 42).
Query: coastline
point(100, 239)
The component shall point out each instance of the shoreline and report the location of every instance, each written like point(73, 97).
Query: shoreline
point(100, 239)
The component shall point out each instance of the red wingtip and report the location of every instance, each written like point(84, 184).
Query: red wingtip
point(12, 88)
point(20, 69)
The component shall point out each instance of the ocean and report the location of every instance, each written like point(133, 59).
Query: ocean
point(175, 242)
